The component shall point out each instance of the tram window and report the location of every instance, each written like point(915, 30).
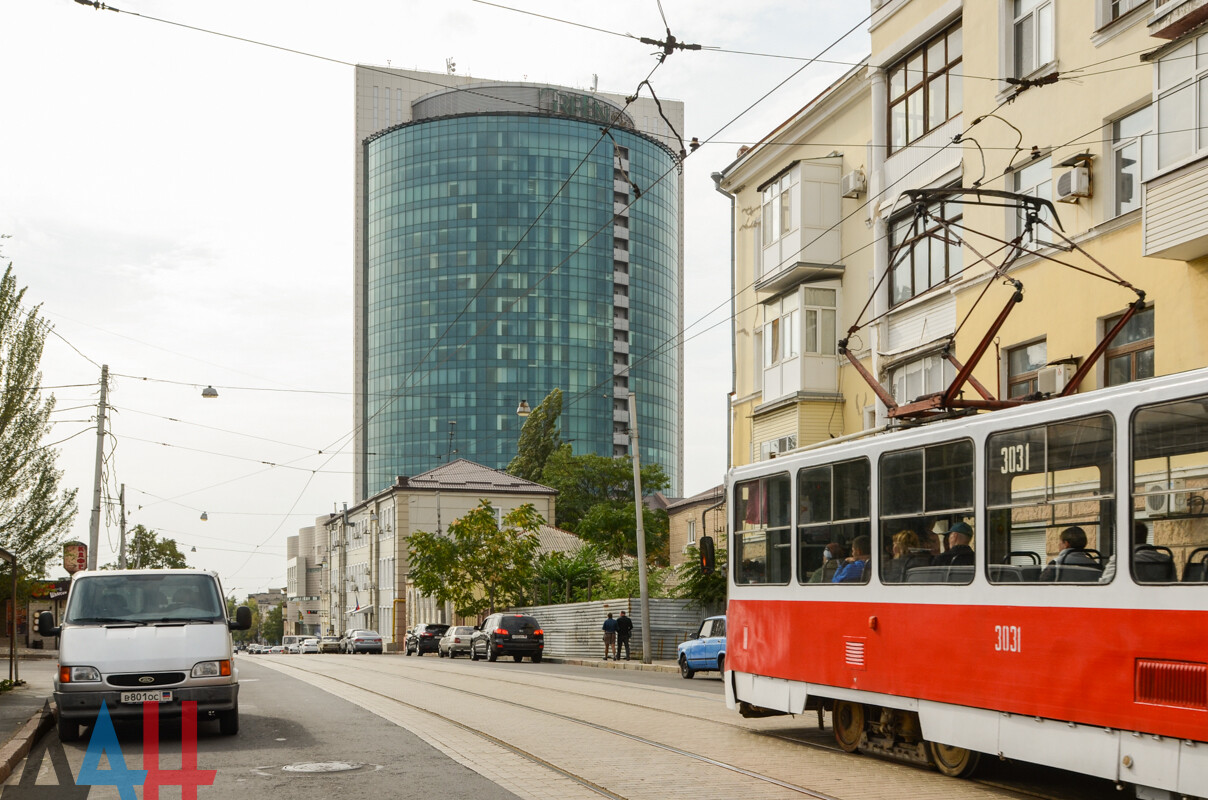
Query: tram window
point(832, 512)
point(762, 530)
point(1169, 491)
point(1041, 482)
point(925, 493)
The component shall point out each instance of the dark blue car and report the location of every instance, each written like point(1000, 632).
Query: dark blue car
point(706, 651)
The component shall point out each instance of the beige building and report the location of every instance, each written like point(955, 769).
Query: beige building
point(1090, 106)
point(365, 548)
point(689, 518)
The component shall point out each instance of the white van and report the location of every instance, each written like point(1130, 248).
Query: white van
point(149, 635)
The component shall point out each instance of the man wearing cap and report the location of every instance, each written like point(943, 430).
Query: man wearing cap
point(959, 553)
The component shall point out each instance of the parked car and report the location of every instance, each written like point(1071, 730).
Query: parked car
point(424, 638)
point(706, 651)
point(309, 646)
point(276, 649)
point(362, 641)
point(456, 641)
point(329, 644)
point(515, 635)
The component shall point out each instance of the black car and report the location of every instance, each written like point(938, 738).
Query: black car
point(515, 635)
point(423, 638)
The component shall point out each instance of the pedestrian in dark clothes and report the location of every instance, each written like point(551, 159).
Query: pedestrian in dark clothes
point(624, 631)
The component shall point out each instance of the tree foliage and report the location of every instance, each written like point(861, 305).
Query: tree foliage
point(539, 438)
point(34, 513)
point(569, 577)
point(273, 626)
point(709, 591)
point(145, 550)
point(585, 481)
point(479, 565)
point(612, 526)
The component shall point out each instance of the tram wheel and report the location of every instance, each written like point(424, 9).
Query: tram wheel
point(848, 722)
point(955, 762)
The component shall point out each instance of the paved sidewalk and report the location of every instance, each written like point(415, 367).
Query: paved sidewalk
point(656, 666)
point(25, 711)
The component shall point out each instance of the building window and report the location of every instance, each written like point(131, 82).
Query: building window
point(780, 337)
point(691, 531)
point(1132, 157)
point(921, 260)
point(925, 88)
point(923, 376)
point(1022, 365)
point(1130, 358)
point(1118, 8)
point(1033, 35)
point(819, 330)
point(778, 208)
point(1182, 99)
point(1034, 180)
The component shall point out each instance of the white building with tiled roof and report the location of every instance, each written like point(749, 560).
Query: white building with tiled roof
point(365, 583)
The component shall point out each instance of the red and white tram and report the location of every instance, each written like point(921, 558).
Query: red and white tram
point(1096, 664)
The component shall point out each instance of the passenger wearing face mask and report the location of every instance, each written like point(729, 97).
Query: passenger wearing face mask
point(832, 559)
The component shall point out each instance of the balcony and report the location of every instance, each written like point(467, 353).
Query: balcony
point(1175, 222)
point(1173, 18)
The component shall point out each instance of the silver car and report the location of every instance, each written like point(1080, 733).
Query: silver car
point(455, 642)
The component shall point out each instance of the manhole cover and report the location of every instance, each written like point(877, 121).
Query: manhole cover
point(321, 766)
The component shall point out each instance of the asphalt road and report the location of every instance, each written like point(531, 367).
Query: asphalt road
point(286, 728)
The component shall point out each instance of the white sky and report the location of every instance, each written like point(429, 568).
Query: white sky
point(181, 206)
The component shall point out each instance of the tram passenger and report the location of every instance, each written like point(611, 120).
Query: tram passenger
point(930, 542)
point(1071, 553)
point(855, 569)
point(1158, 566)
point(832, 558)
point(905, 548)
point(959, 553)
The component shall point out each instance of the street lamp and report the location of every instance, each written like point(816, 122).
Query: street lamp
point(523, 409)
point(209, 391)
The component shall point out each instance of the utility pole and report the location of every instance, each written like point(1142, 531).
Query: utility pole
point(121, 542)
point(638, 507)
point(343, 569)
point(94, 524)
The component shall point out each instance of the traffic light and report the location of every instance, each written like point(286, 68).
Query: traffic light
point(707, 558)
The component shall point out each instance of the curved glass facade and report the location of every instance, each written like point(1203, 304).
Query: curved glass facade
point(447, 339)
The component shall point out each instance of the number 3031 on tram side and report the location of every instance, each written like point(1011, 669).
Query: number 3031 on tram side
point(1030, 584)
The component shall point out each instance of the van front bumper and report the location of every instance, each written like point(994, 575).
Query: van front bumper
point(84, 706)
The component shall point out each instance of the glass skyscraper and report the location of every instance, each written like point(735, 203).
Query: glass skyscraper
point(511, 246)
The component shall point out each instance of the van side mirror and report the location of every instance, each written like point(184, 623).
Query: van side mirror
point(46, 624)
point(242, 621)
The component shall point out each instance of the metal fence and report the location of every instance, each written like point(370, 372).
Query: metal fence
point(574, 630)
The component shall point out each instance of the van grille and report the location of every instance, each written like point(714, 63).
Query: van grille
point(157, 679)
point(1172, 683)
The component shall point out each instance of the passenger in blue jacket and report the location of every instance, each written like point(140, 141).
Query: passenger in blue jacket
point(855, 570)
point(610, 636)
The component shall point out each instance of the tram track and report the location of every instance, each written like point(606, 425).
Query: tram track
point(544, 763)
point(409, 671)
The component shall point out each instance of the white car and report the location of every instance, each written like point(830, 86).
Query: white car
point(309, 646)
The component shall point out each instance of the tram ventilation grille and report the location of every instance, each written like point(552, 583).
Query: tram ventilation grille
point(853, 653)
point(1172, 683)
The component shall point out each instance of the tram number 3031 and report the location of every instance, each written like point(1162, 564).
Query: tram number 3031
point(1008, 639)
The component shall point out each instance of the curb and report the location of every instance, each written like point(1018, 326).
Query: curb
point(19, 745)
point(591, 662)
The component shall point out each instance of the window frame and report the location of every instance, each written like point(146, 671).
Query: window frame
point(923, 241)
point(1146, 155)
point(776, 204)
point(922, 86)
point(1043, 48)
point(1033, 190)
point(1129, 349)
point(762, 525)
point(1028, 377)
point(831, 520)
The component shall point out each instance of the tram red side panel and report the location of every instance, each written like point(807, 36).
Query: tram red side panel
point(1071, 664)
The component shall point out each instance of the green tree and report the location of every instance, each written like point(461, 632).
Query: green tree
point(570, 577)
point(145, 550)
point(627, 583)
point(273, 627)
point(538, 438)
point(709, 591)
point(612, 526)
point(584, 481)
point(34, 513)
point(478, 565)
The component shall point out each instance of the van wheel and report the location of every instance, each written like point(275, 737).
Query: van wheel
point(228, 721)
point(69, 731)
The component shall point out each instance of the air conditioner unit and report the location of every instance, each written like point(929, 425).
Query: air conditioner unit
point(853, 184)
point(1075, 182)
point(1051, 380)
point(1163, 503)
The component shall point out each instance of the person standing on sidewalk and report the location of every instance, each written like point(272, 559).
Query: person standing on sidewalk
point(610, 636)
point(624, 631)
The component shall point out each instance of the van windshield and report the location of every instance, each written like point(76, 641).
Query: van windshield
point(144, 598)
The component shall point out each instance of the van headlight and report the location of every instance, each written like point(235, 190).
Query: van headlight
point(211, 669)
point(78, 674)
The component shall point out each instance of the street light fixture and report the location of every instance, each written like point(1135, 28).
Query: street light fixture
point(204, 516)
point(209, 391)
point(523, 409)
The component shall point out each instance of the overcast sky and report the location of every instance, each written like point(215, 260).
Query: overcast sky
point(180, 204)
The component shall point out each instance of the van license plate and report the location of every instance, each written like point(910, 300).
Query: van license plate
point(156, 696)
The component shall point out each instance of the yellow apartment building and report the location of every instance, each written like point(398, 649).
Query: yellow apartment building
point(1094, 107)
